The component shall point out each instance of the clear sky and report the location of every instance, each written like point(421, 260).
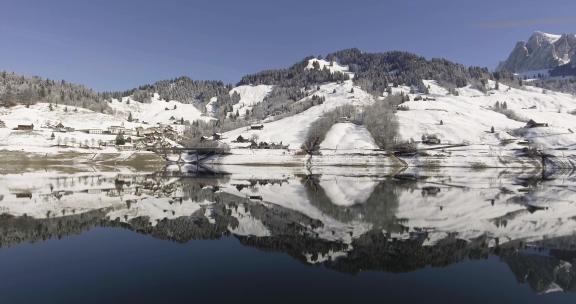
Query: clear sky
point(116, 44)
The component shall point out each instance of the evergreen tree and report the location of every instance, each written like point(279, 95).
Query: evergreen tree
point(120, 139)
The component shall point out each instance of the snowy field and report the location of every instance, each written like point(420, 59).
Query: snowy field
point(471, 131)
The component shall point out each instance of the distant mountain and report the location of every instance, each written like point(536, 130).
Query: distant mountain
point(541, 51)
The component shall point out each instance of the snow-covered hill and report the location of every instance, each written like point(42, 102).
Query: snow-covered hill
point(156, 111)
point(292, 130)
point(249, 97)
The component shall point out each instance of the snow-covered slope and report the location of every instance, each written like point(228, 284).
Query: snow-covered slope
point(44, 116)
point(348, 136)
point(331, 66)
point(249, 96)
point(292, 130)
point(468, 118)
point(157, 111)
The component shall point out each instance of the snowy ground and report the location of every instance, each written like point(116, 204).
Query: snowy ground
point(249, 97)
point(462, 122)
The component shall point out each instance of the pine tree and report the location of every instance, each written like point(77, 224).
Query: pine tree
point(130, 118)
point(120, 139)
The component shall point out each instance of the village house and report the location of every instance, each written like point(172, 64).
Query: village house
point(241, 139)
point(431, 139)
point(216, 136)
point(116, 130)
point(257, 127)
point(94, 131)
point(532, 124)
point(61, 128)
point(267, 146)
point(25, 127)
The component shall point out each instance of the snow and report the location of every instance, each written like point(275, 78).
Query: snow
point(39, 140)
point(157, 111)
point(469, 117)
point(211, 106)
point(348, 190)
point(247, 224)
point(348, 136)
point(292, 130)
point(250, 96)
point(551, 38)
point(333, 67)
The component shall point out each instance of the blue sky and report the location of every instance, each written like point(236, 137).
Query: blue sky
point(111, 45)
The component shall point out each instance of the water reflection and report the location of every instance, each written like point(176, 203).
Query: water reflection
point(349, 220)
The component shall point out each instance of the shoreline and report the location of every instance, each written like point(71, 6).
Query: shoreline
point(17, 160)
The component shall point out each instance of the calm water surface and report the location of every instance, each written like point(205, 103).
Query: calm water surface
point(287, 235)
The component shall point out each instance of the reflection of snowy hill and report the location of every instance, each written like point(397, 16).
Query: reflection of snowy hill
point(345, 214)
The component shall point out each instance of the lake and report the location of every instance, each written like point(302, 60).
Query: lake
point(287, 234)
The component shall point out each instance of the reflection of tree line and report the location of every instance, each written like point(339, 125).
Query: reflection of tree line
point(293, 233)
point(379, 209)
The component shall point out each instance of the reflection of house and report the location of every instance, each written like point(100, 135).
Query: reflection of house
point(430, 191)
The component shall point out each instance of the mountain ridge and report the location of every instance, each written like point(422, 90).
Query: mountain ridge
point(541, 51)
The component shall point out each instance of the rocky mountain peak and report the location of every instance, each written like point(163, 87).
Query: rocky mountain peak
point(541, 51)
